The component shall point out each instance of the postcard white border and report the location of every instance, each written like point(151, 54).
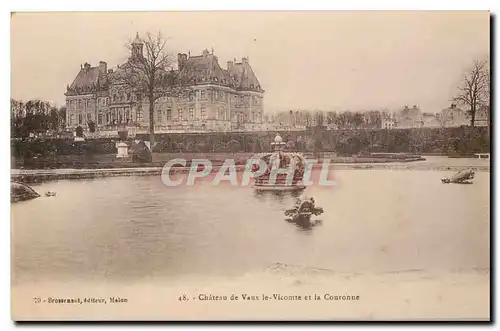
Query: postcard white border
point(148, 5)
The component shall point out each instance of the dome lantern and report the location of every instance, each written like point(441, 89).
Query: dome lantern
point(137, 46)
point(137, 40)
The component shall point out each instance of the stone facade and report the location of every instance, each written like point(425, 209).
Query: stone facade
point(482, 117)
point(213, 98)
point(388, 121)
point(87, 97)
point(453, 116)
point(431, 120)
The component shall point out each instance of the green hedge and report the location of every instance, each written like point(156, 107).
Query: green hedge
point(461, 140)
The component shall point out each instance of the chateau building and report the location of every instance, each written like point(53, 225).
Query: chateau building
point(214, 98)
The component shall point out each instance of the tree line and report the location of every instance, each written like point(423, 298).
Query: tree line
point(371, 119)
point(456, 140)
point(35, 116)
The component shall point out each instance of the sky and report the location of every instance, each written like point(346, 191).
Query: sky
point(329, 60)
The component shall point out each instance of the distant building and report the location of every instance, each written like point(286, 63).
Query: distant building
point(431, 120)
point(409, 118)
point(482, 117)
point(453, 116)
point(87, 96)
point(388, 121)
point(215, 98)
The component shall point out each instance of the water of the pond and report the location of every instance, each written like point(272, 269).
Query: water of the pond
point(126, 228)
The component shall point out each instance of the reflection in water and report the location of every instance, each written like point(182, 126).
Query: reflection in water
point(304, 223)
point(128, 228)
point(279, 195)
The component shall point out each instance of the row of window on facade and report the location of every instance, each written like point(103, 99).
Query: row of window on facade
point(79, 119)
point(125, 116)
point(191, 96)
point(108, 118)
point(219, 95)
point(86, 103)
point(122, 96)
point(103, 101)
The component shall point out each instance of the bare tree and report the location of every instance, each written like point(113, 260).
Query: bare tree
point(149, 71)
point(475, 88)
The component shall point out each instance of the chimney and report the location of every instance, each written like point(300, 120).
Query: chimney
point(86, 66)
point(110, 71)
point(181, 60)
point(244, 60)
point(453, 106)
point(229, 65)
point(103, 67)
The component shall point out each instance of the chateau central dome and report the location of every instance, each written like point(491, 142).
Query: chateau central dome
point(137, 40)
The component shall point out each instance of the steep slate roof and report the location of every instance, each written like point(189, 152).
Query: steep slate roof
point(120, 72)
point(87, 79)
point(243, 76)
point(204, 68)
point(201, 69)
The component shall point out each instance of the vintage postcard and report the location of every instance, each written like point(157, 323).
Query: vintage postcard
point(250, 166)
